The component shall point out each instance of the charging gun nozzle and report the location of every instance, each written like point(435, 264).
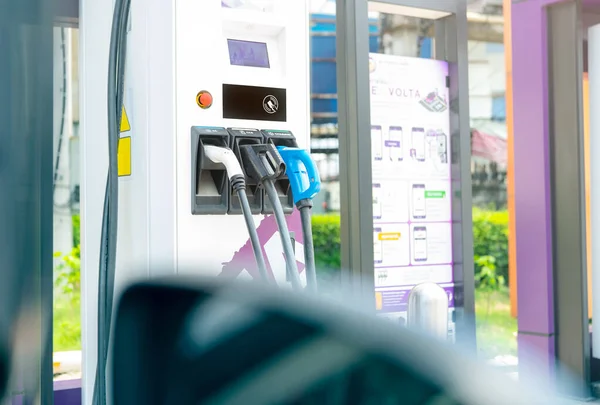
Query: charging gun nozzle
point(262, 162)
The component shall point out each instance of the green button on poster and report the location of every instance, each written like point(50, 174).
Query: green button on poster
point(435, 194)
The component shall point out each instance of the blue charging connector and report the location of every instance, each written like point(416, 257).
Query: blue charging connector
point(302, 173)
point(305, 184)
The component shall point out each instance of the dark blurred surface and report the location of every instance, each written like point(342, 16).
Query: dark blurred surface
point(26, 105)
point(192, 341)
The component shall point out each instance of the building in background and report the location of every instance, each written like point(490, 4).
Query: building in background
point(410, 36)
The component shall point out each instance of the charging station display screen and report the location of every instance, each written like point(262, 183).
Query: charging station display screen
point(248, 53)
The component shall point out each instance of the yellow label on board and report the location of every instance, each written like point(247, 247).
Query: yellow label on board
point(125, 126)
point(124, 157)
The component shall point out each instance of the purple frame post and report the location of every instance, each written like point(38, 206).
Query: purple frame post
point(535, 287)
point(66, 392)
point(532, 192)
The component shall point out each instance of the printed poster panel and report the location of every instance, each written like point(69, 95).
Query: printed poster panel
point(412, 184)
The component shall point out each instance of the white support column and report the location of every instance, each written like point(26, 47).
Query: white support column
point(94, 37)
point(594, 86)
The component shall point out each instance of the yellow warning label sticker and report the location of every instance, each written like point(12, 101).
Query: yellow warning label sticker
point(124, 156)
point(125, 126)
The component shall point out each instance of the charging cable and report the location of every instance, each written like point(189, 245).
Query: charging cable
point(264, 164)
point(226, 157)
point(108, 238)
point(305, 183)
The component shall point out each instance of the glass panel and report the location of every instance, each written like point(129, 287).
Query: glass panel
point(324, 140)
point(404, 37)
point(67, 294)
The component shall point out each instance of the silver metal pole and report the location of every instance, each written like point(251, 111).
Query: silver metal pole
point(354, 117)
point(594, 100)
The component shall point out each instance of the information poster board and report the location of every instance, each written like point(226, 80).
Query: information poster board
point(412, 182)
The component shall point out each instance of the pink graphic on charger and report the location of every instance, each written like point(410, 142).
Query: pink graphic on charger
point(243, 260)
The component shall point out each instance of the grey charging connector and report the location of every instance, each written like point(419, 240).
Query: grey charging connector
point(224, 156)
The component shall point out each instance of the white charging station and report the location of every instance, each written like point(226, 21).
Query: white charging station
point(206, 64)
point(161, 104)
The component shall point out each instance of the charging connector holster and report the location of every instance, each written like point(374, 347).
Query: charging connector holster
point(209, 181)
point(282, 183)
point(240, 137)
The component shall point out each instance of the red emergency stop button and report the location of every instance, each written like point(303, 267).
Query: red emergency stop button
point(204, 99)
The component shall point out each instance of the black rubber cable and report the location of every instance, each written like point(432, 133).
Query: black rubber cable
point(108, 243)
point(254, 240)
point(110, 290)
point(284, 233)
point(99, 396)
point(309, 249)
